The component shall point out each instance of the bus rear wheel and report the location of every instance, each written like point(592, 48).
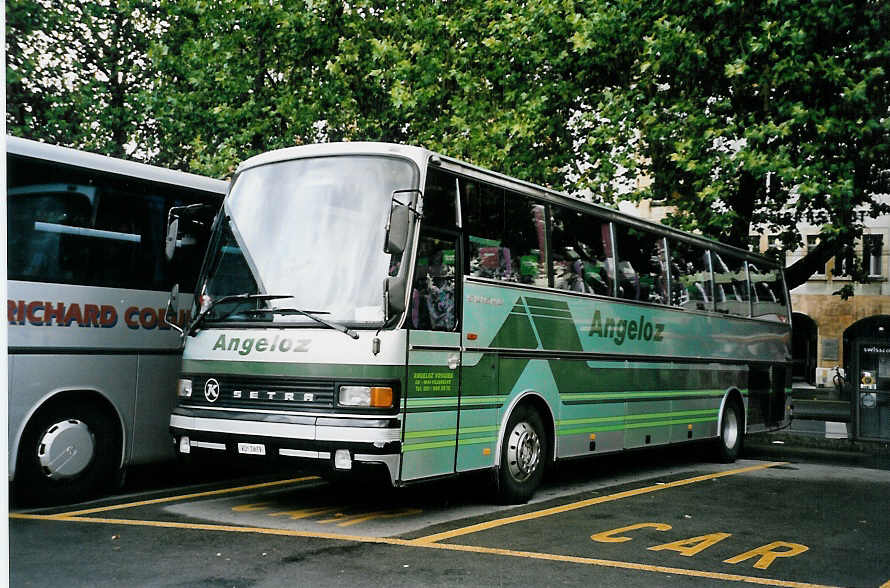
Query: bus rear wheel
point(523, 456)
point(732, 432)
point(67, 454)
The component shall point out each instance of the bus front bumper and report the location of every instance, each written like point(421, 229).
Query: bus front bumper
point(330, 442)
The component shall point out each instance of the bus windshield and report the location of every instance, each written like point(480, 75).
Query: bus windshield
point(312, 229)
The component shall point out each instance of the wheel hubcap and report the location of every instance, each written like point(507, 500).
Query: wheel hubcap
point(66, 449)
point(730, 429)
point(523, 452)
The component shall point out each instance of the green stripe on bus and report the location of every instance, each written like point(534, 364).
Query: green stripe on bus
point(477, 440)
point(482, 399)
point(431, 445)
point(430, 433)
point(626, 426)
point(571, 397)
point(636, 417)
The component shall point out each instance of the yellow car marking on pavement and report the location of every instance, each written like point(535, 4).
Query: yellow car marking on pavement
point(431, 541)
point(452, 547)
point(585, 503)
point(66, 515)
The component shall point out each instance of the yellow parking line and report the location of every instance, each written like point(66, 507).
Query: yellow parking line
point(584, 503)
point(231, 529)
point(448, 547)
point(620, 565)
point(167, 499)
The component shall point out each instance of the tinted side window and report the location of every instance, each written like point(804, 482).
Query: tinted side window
point(506, 235)
point(641, 265)
point(581, 252)
point(439, 198)
point(690, 277)
point(730, 285)
point(433, 301)
point(768, 294)
point(74, 226)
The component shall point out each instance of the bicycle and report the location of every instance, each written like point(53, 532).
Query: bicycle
point(838, 380)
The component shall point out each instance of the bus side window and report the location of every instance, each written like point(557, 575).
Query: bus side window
point(439, 199)
point(731, 285)
point(768, 293)
point(690, 276)
point(433, 302)
point(483, 209)
point(641, 265)
point(526, 239)
point(579, 245)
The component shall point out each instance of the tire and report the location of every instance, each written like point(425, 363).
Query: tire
point(523, 457)
point(67, 454)
point(732, 432)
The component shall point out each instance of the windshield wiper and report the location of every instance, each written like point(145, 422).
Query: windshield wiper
point(308, 313)
point(232, 298)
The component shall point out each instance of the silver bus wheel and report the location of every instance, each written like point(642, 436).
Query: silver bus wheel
point(66, 449)
point(70, 451)
point(731, 432)
point(523, 455)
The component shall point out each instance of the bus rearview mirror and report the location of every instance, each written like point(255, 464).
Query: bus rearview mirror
point(394, 293)
point(172, 312)
point(172, 236)
point(397, 229)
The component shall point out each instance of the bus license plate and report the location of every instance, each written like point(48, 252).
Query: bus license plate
point(252, 448)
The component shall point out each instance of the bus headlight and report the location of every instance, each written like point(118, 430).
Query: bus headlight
point(370, 396)
point(185, 388)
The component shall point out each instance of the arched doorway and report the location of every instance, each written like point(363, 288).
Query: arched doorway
point(872, 328)
point(867, 355)
point(804, 334)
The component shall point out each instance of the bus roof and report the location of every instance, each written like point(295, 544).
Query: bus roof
point(84, 159)
point(421, 155)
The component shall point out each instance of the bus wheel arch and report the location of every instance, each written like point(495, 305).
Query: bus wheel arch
point(731, 426)
point(525, 448)
point(71, 446)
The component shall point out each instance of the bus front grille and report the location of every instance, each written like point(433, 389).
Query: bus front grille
point(257, 392)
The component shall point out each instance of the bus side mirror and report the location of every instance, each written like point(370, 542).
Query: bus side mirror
point(394, 294)
point(397, 229)
point(173, 309)
point(172, 236)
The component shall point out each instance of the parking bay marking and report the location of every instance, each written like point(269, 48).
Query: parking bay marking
point(585, 503)
point(431, 541)
point(76, 513)
point(452, 547)
point(694, 545)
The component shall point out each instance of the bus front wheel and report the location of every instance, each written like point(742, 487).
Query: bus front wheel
point(523, 455)
point(67, 453)
point(732, 432)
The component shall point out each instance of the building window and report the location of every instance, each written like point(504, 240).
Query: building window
point(812, 242)
point(843, 262)
point(871, 254)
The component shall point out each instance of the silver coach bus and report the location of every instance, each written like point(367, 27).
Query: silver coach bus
point(91, 358)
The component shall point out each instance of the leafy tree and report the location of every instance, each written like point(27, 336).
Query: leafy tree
point(76, 71)
point(492, 81)
point(751, 115)
point(742, 114)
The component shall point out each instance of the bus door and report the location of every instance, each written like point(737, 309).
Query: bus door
point(431, 399)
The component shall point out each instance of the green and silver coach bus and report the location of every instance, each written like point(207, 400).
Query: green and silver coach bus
point(374, 304)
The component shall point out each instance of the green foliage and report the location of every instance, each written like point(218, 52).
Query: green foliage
point(751, 114)
point(741, 114)
point(244, 77)
point(77, 72)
